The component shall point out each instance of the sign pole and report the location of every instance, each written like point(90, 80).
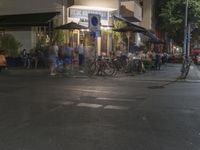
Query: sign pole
point(185, 32)
point(94, 25)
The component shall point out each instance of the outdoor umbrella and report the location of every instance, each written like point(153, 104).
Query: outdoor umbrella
point(130, 28)
point(71, 26)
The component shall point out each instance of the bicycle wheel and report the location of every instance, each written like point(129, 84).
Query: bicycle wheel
point(109, 69)
point(185, 70)
point(90, 68)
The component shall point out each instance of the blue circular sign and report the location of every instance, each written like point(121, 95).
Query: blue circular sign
point(94, 21)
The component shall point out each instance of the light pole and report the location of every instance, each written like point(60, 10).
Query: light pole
point(185, 50)
point(63, 12)
point(186, 62)
point(119, 7)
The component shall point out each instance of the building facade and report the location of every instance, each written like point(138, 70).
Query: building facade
point(130, 10)
point(148, 15)
point(139, 12)
point(27, 20)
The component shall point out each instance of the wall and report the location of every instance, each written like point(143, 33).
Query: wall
point(26, 35)
point(28, 6)
point(148, 15)
point(99, 3)
point(26, 38)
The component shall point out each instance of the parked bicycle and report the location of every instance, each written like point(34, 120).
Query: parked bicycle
point(100, 66)
point(185, 68)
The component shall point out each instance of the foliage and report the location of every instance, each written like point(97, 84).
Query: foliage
point(172, 17)
point(43, 40)
point(9, 45)
point(58, 35)
point(117, 36)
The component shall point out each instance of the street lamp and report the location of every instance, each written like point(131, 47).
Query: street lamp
point(185, 50)
point(119, 7)
point(186, 62)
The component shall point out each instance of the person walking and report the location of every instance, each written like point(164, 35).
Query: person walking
point(53, 56)
point(157, 61)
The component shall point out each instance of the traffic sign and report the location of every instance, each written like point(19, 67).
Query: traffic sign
point(94, 21)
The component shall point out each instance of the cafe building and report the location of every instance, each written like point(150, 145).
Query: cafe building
point(108, 11)
point(28, 21)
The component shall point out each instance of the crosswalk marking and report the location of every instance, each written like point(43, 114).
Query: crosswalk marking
point(89, 105)
point(92, 105)
point(67, 103)
point(116, 107)
point(119, 99)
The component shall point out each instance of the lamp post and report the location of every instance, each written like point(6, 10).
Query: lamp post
point(186, 62)
point(185, 50)
point(119, 7)
point(63, 12)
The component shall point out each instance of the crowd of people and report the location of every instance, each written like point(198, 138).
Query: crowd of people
point(150, 59)
point(66, 57)
point(33, 58)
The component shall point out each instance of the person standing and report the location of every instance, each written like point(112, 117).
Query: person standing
point(67, 55)
point(24, 56)
point(157, 61)
point(53, 56)
point(80, 50)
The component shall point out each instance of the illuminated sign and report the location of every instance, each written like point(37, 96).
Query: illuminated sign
point(83, 13)
point(94, 21)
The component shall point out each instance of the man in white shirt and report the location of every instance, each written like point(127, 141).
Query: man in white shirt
point(53, 57)
point(81, 54)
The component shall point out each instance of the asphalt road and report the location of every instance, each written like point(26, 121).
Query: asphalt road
point(39, 112)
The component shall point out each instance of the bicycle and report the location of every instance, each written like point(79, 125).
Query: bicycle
point(185, 68)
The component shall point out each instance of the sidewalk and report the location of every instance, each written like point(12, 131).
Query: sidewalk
point(170, 72)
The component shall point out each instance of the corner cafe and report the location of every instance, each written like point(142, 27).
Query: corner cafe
point(79, 14)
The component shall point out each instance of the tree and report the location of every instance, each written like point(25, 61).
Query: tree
point(172, 17)
point(9, 45)
point(58, 35)
point(117, 36)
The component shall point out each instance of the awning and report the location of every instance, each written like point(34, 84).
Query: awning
point(129, 29)
point(136, 28)
point(35, 19)
point(130, 24)
point(152, 36)
point(71, 26)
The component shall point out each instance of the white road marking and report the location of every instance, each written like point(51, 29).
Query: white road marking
point(89, 105)
point(93, 91)
point(67, 103)
point(119, 99)
point(116, 107)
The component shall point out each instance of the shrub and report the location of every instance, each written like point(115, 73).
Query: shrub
point(9, 45)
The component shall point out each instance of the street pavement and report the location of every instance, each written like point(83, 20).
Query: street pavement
point(171, 72)
point(168, 72)
point(150, 111)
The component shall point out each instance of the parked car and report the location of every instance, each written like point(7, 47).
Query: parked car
point(3, 63)
point(175, 58)
point(196, 59)
point(195, 54)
